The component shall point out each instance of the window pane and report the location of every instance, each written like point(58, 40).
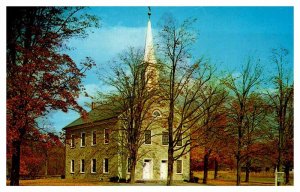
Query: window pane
point(156, 114)
point(94, 165)
point(72, 166)
point(165, 138)
point(82, 165)
point(72, 141)
point(179, 166)
point(105, 165)
point(94, 138)
point(82, 139)
point(147, 137)
point(106, 135)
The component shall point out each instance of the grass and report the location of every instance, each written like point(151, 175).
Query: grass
point(61, 182)
point(225, 178)
point(228, 178)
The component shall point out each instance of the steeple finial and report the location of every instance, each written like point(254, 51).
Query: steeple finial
point(149, 12)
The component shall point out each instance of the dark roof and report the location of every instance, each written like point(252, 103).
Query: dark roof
point(97, 114)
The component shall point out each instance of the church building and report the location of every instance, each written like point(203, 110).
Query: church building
point(92, 153)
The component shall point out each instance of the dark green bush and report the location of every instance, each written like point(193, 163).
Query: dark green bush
point(114, 179)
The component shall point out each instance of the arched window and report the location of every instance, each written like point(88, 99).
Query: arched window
point(156, 113)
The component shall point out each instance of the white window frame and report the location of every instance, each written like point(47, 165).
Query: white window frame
point(181, 166)
point(106, 129)
point(82, 140)
point(162, 136)
point(159, 116)
point(92, 138)
point(107, 165)
point(82, 160)
point(72, 143)
point(92, 166)
point(150, 137)
point(72, 166)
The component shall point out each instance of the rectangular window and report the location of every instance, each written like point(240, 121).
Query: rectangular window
point(72, 141)
point(179, 166)
point(72, 166)
point(94, 138)
point(165, 138)
point(93, 166)
point(106, 136)
point(128, 165)
point(147, 137)
point(82, 139)
point(179, 141)
point(105, 165)
point(82, 166)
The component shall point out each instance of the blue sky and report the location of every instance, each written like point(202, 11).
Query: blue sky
point(227, 35)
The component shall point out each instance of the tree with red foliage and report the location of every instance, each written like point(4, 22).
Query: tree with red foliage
point(39, 76)
point(257, 129)
point(49, 143)
point(212, 125)
point(32, 158)
point(40, 154)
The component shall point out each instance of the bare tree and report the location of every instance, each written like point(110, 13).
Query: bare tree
point(131, 99)
point(241, 86)
point(282, 102)
point(257, 129)
point(184, 84)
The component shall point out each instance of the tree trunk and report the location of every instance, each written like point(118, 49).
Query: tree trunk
point(280, 147)
point(132, 171)
point(205, 168)
point(238, 169)
point(132, 175)
point(170, 133)
point(216, 168)
point(170, 167)
point(248, 165)
point(287, 172)
point(46, 164)
point(15, 164)
point(239, 147)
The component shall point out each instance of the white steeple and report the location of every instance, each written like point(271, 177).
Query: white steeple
point(149, 48)
point(149, 57)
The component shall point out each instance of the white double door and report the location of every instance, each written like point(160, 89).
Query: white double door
point(147, 169)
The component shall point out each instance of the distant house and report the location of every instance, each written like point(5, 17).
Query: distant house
point(91, 150)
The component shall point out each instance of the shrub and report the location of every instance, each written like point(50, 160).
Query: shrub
point(114, 179)
point(122, 180)
point(194, 179)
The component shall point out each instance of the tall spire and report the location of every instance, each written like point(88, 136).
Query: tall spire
point(149, 48)
point(149, 57)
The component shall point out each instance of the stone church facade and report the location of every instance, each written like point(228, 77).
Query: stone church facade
point(92, 151)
